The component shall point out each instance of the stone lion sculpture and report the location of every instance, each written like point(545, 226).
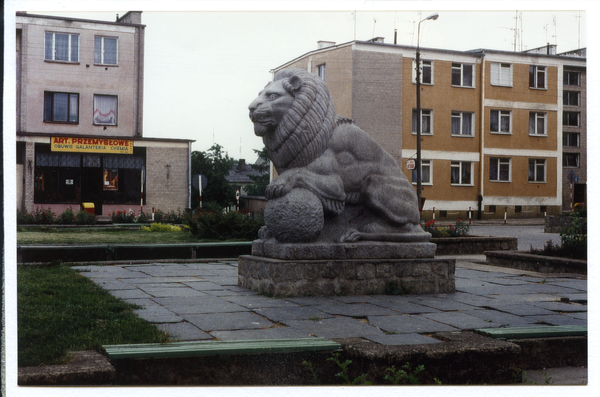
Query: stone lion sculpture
point(361, 191)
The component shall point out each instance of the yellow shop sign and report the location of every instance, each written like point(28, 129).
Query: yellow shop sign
point(92, 145)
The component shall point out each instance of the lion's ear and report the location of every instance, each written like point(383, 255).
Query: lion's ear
point(295, 82)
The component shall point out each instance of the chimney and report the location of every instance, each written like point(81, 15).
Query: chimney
point(242, 165)
point(131, 17)
point(325, 44)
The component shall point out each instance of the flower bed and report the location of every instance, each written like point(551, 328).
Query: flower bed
point(536, 263)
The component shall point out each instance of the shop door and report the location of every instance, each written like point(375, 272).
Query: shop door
point(91, 187)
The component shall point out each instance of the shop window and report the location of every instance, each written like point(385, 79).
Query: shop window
point(462, 123)
point(501, 74)
point(462, 75)
point(571, 119)
point(460, 172)
point(500, 121)
point(426, 121)
point(500, 169)
point(537, 123)
point(571, 78)
point(105, 109)
point(425, 173)
point(61, 47)
point(105, 50)
point(571, 139)
point(110, 180)
point(537, 170)
point(537, 76)
point(61, 107)
point(571, 98)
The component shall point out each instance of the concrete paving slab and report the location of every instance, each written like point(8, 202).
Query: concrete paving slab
point(279, 314)
point(503, 319)
point(402, 339)
point(580, 285)
point(259, 302)
point(406, 307)
point(173, 292)
point(312, 301)
point(559, 319)
point(443, 305)
point(254, 334)
point(227, 321)
point(130, 294)
point(581, 316)
point(461, 320)
point(408, 324)
point(203, 285)
point(525, 298)
point(562, 306)
point(111, 284)
point(547, 288)
point(222, 280)
point(207, 304)
point(521, 309)
point(183, 331)
point(336, 327)
point(354, 310)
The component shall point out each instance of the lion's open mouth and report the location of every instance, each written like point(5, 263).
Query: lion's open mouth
point(261, 118)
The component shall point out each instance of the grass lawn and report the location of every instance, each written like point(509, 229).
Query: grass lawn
point(60, 311)
point(49, 235)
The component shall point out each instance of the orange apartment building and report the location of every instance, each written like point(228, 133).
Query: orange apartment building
point(79, 121)
point(501, 131)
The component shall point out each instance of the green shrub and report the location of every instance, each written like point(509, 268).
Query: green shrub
point(43, 216)
point(124, 217)
point(24, 218)
point(224, 226)
point(67, 217)
point(175, 217)
point(85, 218)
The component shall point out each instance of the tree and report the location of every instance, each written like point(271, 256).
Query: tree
point(215, 166)
point(261, 181)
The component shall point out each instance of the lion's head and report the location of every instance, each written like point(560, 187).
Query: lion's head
point(295, 116)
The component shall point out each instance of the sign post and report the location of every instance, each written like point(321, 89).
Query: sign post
point(237, 198)
point(199, 181)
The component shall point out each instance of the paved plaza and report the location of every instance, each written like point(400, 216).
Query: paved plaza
point(201, 301)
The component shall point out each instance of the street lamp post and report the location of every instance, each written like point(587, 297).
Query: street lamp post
point(419, 118)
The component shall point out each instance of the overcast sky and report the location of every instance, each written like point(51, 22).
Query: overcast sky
point(203, 68)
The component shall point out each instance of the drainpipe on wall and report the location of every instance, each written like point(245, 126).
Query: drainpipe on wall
point(481, 142)
point(189, 175)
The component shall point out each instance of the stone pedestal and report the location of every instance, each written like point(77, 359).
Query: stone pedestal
point(325, 269)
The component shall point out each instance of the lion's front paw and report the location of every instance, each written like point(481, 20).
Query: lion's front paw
point(264, 233)
point(276, 190)
point(350, 236)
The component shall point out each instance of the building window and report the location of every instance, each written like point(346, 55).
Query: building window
point(460, 172)
point(61, 107)
point(571, 160)
point(500, 169)
point(571, 119)
point(61, 47)
point(425, 173)
point(426, 121)
point(537, 170)
point(462, 124)
point(501, 74)
point(537, 123)
point(571, 98)
point(570, 78)
point(105, 109)
point(537, 76)
point(571, 139)
point(105, 50)
point(20, 152)
point(462, 75)
point(492, 209)
point(500, 121)
point(426, 72)
point(543, 208)
point(321, 71)
point(518, 209)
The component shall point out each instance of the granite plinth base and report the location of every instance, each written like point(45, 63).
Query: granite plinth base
point(279, 277)
point(271, 248)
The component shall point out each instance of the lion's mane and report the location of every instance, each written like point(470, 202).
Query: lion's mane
point(302, 135)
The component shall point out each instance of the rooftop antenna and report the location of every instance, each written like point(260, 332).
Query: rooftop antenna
point(578, 16)
point(374, 23)
point(354, 13)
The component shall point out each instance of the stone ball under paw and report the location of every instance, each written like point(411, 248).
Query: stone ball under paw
point(296, 217)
